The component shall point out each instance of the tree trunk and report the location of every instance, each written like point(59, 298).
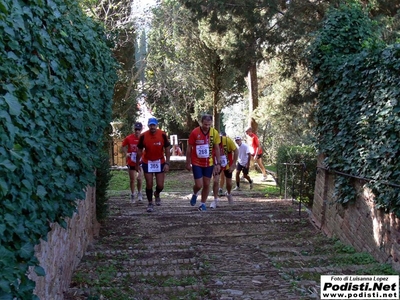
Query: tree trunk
point(253, 95)
point(216, 114)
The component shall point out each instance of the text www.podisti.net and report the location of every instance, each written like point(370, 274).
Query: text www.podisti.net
point(360, 287)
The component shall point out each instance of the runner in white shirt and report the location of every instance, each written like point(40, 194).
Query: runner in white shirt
point(243, 163)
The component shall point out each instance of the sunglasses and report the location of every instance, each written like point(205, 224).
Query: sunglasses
point(136, 129)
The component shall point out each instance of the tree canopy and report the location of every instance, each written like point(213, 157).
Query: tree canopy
point(116, 17)
point(185, 74)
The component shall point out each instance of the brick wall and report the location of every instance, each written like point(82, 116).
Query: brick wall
point(358, 224)
point(64, 249)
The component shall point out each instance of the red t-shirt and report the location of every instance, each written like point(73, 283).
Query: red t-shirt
point(202, 146)
point(154, 145)
point(131, 141)
point(255, 144)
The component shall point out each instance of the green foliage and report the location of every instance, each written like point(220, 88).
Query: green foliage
point(171, 88)
point(379, 269)
point(186, 73)
point(284, 115)
point(358, 120)
point(345, 33)
point(268, 31)
point(271, 191)
point(339, 247)
point(304, 155)
point(103, 177)
point(55, 101)
point(116, 17)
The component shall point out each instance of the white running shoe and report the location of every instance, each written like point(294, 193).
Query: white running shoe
point(230, 198)
point(237, 188)
point(139, 196)
point(133, 198)
point(214, 204)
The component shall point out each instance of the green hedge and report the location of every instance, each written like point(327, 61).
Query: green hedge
point(103, 177)
point(305, 155)
point(57, 78)
point(358, 124)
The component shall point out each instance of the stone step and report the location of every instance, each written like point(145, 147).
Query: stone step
point(256, 249)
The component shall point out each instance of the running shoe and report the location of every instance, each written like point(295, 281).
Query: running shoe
point(158, 200)
point(264, 179)
point(140, 196)
point(133, 198)
point(237, 188)
point(214, 204)
point(220, 192)
point(230, 198)
point(150, 207)
point(193, 200)
point(202, 207)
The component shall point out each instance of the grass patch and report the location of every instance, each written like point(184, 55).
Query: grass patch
point(271, 191)
point(361, 258)
point(180, 181)
point(271, 168)
point(339, 247)
point(310, 276)
point(179, 282)
point(379, 269)
point(175, 181)
point(119, 181)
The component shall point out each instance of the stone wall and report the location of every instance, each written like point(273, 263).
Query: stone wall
point(64, 249)
point(359, 224)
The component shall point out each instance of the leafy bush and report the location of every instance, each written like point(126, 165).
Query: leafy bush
point(103, 177)
point(55, 102)
point(306, 157)
point(358, 121)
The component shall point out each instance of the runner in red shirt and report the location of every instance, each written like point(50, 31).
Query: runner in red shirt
point(257, 151)
point(155, 147)
point(202, 144)
point(129, 147)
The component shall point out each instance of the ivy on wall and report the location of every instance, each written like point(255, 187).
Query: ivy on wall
point(359, 111)
point(57, 78)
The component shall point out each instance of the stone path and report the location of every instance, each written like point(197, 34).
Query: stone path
point(257, 248)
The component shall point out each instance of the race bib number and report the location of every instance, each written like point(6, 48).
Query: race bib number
point(154, 166)
point(202, 151)
point(224, 160)
point(133, 156)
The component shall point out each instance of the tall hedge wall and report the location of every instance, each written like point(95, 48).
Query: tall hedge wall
point(57, 78)
point(358, 77)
